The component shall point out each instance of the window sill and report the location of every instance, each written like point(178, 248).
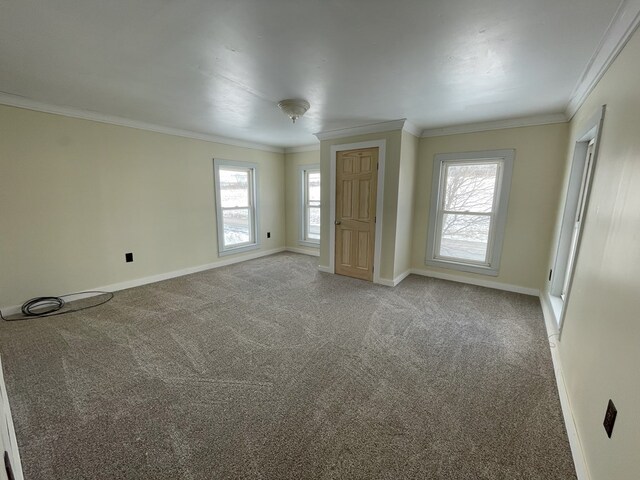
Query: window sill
point(557, 305)
point(234, 250)
point(463, 267)
point(306, 243)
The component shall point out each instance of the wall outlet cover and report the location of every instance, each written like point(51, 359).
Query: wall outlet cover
point(610, 418)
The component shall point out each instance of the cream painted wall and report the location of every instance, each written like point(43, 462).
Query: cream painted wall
point(600, 343)
point(293, 161)
point(405, 212)
point(537, 176)
point(75, 195)
point(392, 162)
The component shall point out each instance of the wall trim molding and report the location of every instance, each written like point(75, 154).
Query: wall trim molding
point(477, 281)
point(7, 421)
point(622, 26)
point(412, 129)
point(396, 281)
point(304, 251)
point(362, 129)
point(137, 282)
point(28, 104)
point(579, 460)
point(304, 148)
point(401, 277)
point(325, 269)
point(496, 125)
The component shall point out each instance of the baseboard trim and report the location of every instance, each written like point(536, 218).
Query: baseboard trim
point(11, 446)
point(579, 460)
point(137, 282)
point(304, 251)
point(324, 268)
point(392, 283)
point(401, 277)
point(476, 281)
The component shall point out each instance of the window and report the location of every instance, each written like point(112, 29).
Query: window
point(310, 205)
point(235, 184)
point(469, 199)
point(585, 155)
point(579, 215)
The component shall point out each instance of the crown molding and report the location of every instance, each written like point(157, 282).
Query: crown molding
point(412, 129)
point(26, 103)
point(622, 26)
point(362, 129)
point(304, 148)
point(496, 125)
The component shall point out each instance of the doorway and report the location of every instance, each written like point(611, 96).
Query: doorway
point(355, 212)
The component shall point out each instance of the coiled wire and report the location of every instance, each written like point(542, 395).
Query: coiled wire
point(40, 307)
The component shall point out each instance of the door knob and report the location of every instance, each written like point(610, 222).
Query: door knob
point(337, 222)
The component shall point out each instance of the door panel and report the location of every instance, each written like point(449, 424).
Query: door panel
point(356, 188)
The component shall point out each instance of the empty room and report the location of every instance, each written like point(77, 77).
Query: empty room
point(344, 239)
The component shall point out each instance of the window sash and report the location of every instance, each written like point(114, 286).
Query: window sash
point(441, 212)
point(307, 206)
point(225, 246)
point(443, 250)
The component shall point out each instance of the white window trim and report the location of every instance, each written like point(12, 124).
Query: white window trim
point(591, 132)
point(496, 237)
point(222, 251)
point(302, 199)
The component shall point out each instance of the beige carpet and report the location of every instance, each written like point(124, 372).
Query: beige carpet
point(271, 370)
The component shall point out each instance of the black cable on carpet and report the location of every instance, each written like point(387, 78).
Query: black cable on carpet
point(42, 307)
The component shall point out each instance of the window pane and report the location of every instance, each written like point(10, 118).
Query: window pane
point(465, 237)
point(237, 228)
point(313, 179)
point(313, 225)
point(234, 188)
point(470, 188)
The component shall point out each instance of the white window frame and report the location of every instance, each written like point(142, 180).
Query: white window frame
point(578, 191)
point(254, 243)
point(303, 203)
point(498, 215)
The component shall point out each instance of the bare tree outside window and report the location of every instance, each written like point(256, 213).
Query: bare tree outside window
point(468, 212)
point(469, 198)
point(312, 226)
point(235, 201)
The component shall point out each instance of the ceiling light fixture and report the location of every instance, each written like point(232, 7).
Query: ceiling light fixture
point(294, 108)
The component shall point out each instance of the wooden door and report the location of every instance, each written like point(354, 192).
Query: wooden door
point(356, 188)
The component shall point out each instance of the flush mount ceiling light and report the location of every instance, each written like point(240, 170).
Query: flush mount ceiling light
point(294, 108)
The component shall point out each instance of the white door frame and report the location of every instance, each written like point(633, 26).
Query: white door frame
point(381, 144)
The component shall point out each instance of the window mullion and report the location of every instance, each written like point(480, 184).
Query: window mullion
point(455, 212)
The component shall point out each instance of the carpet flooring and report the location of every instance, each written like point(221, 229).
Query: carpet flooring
point(269, 369)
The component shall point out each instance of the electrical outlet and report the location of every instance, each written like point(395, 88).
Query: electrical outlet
point(128, 257)
point(610, 418)
point(268, 234)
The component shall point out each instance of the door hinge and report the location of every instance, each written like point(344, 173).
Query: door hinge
point(550, 274)
point(375, 219)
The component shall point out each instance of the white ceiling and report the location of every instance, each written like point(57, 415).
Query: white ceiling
point(220, 66)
